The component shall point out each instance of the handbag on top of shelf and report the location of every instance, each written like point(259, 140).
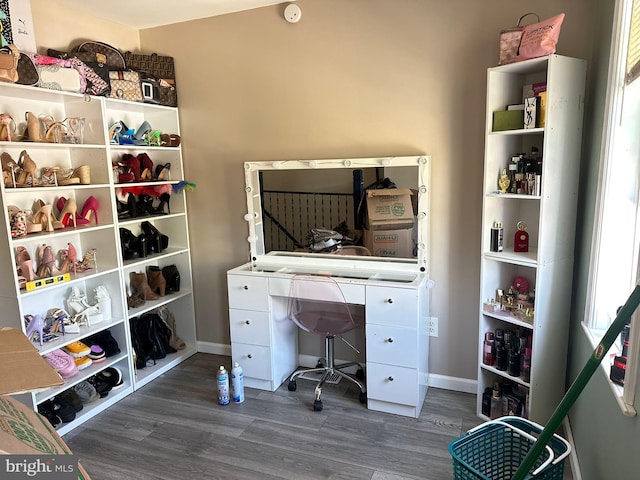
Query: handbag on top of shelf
point(9, 56)
point(125, 85)
point(159, 67)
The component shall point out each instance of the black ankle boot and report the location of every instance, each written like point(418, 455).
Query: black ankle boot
point(172, 277)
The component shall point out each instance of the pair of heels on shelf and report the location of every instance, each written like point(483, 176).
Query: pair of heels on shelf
point(21, 173)
point(44, 128)
point(85, 313)
point(45, 329)
point(151, 240)
point(139, 168)
point(130, 207)
point(47, 261)
point(68, 209)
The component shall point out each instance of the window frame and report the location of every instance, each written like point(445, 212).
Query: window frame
point(616, 85)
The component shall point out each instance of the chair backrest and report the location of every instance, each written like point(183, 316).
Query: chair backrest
point(317, 305)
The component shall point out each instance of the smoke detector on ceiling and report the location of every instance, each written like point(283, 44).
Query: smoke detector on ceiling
point(292, 13)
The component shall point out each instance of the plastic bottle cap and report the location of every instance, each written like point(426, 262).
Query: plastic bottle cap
point(221, 367)
point(236, 364)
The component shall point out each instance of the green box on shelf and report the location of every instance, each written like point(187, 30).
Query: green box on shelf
point(508, 120)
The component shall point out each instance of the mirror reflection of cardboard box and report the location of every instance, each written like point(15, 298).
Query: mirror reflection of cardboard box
point(390, 223)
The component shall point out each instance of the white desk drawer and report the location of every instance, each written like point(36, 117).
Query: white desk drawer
point(248, 292)
point(353, 292)
point(392, 345)
point(249, 326)
point(392, 306)
point(255, 360)
point(392, 384)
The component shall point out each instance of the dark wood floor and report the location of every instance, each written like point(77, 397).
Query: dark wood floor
point(174, 429)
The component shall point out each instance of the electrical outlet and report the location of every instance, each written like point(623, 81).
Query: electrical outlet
point(432, 326)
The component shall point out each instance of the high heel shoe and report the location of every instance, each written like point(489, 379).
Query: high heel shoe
point(70, 258)
point(24, 266)
point(43, 216)
point(146, 167)
point(140, 137)
point(172, 278)
point(69, 213)
point(17, 221)
point(126, 204)
point(157, 241)
point(47, 262)
point(9, 167)
point(157, 282)
point(80, 175)
point(35, 324)
point(88, 261)
point(28, 166)
point(140, 286)
point(144, 205)
point(164, 200)
point(132, 245)
point(163, 172)
point(90, 206)
point(34, 132)
point(7, 128)
point(133, 165)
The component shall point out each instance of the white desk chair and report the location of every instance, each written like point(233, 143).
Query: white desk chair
point(317, 305)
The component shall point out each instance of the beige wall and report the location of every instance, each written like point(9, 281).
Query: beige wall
point(356, 78)
point(57, 27)
point(353, 78)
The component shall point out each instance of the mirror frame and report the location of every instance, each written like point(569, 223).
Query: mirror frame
point(254, 207)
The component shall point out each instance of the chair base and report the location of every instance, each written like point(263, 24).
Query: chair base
point(327, 372)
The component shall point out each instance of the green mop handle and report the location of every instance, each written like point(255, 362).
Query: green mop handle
point(623, 317)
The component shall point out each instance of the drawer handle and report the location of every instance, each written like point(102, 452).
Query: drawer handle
point(250, 356)
point(248, 322)
point(246, 287)
point(389, 300)
point(390, 339)
point(390, 378)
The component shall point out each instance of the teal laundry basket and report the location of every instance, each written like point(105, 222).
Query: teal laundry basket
point(495, 450)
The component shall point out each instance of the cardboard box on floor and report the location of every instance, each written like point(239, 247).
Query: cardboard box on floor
point(390, 221)
point(22, 430)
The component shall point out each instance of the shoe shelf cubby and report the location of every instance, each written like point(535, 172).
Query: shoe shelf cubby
point(86, 176)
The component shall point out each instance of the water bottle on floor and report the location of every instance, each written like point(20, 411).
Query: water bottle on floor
point(223, 386)
point(237, 383)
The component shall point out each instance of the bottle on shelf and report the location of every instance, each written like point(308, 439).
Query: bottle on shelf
point(521, 238)
point(496, 402)
point(526, 365)
point(497, 237)
point(486, 401)
point(489, 353)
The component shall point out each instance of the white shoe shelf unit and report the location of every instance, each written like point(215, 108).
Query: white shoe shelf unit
point(550, 218)
point(111, 270)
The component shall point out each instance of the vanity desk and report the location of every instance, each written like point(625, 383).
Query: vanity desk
point(265, 342)
point(393, 291)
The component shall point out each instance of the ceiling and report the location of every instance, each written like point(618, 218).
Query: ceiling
point(142, 14)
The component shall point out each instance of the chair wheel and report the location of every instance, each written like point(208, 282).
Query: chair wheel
point(292, 386)
point(363, 397)
point(360, 373)
point(320, 363)
point(317, 405)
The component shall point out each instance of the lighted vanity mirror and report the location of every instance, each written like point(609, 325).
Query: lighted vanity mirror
point(287, 199)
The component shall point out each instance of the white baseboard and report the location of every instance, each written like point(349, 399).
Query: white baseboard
point(464, 385)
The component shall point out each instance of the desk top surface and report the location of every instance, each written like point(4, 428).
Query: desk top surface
point(348, 268)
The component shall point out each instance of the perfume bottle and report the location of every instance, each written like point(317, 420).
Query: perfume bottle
point(496, 402)
point(497, 237)
point(521, 238)
point(489, 353)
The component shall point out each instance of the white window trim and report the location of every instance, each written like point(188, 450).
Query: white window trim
point(613, 112)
